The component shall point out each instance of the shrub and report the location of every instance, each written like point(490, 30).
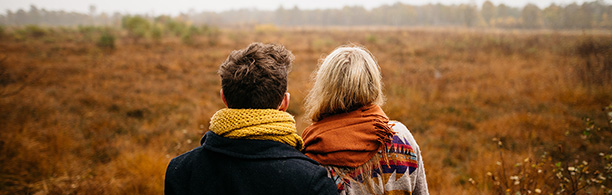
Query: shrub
point(596, 66)
point(212, 33)
point(187, 38)
point(136, 26)
point(35, 31)
point(156, 33)
point(580, 164)
point(106, 41)
point(2, 31)
point(175, 27)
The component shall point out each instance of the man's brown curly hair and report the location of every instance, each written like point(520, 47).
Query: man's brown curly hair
point(256, 77)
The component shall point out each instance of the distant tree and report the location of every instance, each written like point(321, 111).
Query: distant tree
point(296, 16)
point(470, 15)
point(103, 19)
point(136, 26)
point(593, 14)
point(21, 17)
point(597, 9)
point(10, 18)
point(92, 10)
point(488, 12)
point(92, 14)
point(33, 16)
point(606, 18)
point(552, 17)
point(116, 19)
point(504, 11)
point(531, 16)
point(281, 16)
point(572, 16)
point(354, 15)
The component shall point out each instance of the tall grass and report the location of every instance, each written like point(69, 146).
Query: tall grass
point(78, 119)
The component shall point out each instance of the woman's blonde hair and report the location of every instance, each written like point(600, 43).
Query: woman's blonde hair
point(347, 79)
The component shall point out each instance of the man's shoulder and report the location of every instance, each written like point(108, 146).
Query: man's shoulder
point(184, 159)
point(193, 152)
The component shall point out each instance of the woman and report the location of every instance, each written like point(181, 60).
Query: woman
point(351, 136)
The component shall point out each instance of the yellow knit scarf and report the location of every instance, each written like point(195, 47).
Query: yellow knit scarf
point(259, 124)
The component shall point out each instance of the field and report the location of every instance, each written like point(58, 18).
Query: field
point(494, 112)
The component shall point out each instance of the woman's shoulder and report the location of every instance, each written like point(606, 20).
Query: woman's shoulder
point(403, 133)
point(400, 128)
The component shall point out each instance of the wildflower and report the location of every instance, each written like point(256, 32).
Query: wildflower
point(585, 162)
point(601, 154)
point(601, 177)
point(537, 190)
point(526, 159)
point(514, 177)
point(539, 170)
point(498, 163)
point(471, 181)
point(489, 174)
point(571, 169)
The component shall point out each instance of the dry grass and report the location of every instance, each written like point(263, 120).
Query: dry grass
point(80, 119)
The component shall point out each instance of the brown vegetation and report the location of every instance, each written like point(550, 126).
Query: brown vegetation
point(494, 112)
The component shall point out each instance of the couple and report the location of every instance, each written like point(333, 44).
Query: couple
point(253, 148)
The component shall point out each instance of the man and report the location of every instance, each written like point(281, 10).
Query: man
point(252, 146)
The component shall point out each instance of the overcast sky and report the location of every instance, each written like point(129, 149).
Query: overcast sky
point(174, 7)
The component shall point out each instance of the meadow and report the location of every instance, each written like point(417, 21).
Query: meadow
point(99, 111)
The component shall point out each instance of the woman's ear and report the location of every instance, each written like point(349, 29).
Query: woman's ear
point(285, 103)
point(223, 97)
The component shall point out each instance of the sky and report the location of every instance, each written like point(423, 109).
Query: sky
point(174, 7)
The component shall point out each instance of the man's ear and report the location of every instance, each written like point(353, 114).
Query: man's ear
point(285, 103)
point(223, 97)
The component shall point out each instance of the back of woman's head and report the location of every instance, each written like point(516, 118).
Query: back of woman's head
point(347, 79)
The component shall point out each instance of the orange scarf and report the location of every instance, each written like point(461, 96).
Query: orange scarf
point(348, 139)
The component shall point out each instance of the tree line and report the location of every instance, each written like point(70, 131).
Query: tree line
point(588, 15)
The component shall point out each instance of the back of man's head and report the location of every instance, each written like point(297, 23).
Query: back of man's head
point(256, 77)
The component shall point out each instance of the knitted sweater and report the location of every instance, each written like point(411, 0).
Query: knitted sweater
point(403, 174)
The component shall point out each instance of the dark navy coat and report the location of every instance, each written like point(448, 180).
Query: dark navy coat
point(240, 166)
